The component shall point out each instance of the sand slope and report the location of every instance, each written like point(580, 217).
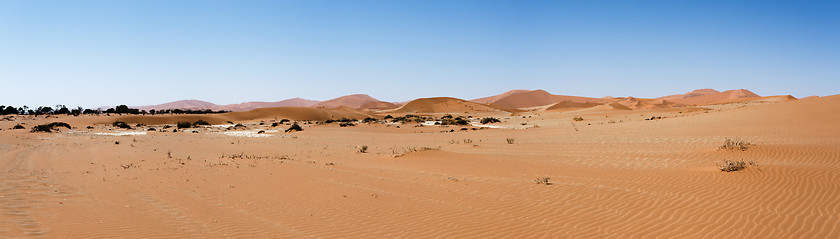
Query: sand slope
point(352, 101)
point(444, 105)
point(531, 98)
point(613, 175)
point(708, 96)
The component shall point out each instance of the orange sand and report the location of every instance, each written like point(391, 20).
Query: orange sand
point(614, 175)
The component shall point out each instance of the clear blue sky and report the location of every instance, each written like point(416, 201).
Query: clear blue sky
point(97, 53)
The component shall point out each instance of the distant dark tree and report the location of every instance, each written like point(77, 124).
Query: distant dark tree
point(121, 109)
point(43, 110)
point(77, 111)
point(63, 110)
point(90, 112)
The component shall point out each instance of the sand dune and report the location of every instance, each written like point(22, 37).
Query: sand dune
point(524, 99)
point(444, 105)
point(565, 105)
point(613, 175)
point(183, 105)
point(203, 105)
point(294, 102)
point(708, 96)
point(352, 101)
point(379, 105)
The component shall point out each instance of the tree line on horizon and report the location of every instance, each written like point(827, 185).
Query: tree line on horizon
point(120, 109)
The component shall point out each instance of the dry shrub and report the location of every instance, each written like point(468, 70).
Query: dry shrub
point(732, 165)
point(735, 144)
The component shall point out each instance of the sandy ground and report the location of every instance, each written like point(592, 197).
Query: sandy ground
point(613, 175)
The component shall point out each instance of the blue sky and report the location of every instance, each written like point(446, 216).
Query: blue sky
point(96, 53)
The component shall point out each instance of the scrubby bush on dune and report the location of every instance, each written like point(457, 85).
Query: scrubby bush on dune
point(369, 120)
point(200, 122)
point(454, 121)
point(120, 124)
point(732, 166)
point(736, 144)
point(578, 119)
point(490, 120)
point(294, 127)
point(283, 121)
point(48, 128)
point(18, 126)
point(182, 125)
point(345, 124)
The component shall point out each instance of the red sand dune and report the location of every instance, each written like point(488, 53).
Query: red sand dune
point(532, 98)
point(445, 105)
point(707, 96)
point(352, 101)
point(204, 105)
point(565, 105)
point(183, 105)
point(294, 102)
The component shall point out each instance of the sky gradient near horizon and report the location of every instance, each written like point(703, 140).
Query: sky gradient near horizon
point(99, 53)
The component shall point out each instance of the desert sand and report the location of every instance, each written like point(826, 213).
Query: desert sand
point(613, 174)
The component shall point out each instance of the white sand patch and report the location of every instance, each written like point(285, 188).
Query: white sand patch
point(487, 126)
point(221, 125)
point(250, 133)
point(123, 133)
point(429, 123)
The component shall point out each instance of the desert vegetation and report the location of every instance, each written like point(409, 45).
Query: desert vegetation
point(578, 119)
point(120, 124)
point(489, 120)
point(735, 144)
point(48, 128)
point(733, 165)
point(183, 125)
point(200, 122)
point(545, 181)
point(294, 127)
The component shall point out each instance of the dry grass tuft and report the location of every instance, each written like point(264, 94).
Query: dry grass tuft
point(732, 165)
point(735, 144)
